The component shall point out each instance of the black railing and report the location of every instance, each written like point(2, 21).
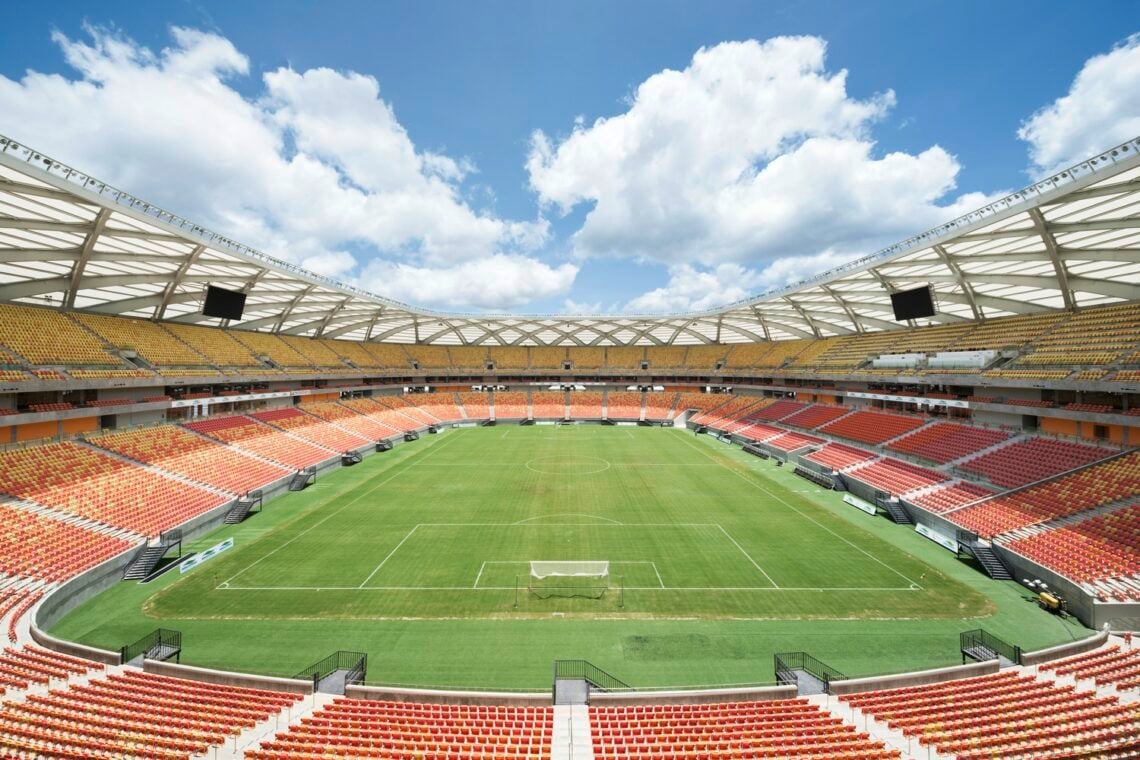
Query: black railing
point(787, 663)
point(355, 665)
point(161, 644)
point(588, 672)
point(979, 644)
point(169, 537)
point(755, 451)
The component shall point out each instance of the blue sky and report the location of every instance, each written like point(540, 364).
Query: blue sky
point(450, 154)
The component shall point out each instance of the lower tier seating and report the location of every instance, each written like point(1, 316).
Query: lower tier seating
point(815, 415)
point(952, 496)
point(440, 406)
point(585, 405)
point(837, 456)
point(175, 449)
point(660, 406)
point(476, 404)
point(73, 478)
point(1100, 484)
point(20, 668)
point(1006, 715)
point(34, 546)
point(1108, 665)
point(946, 442)
point(1100, 548)
point(313, 429)
point(623, 405)
point(872, 427)
point(385, 415)
point(774, 729)
point(1031, 460)
point(133, 714)
point(356, 728)
point(778, 410)
point(263, 440)
point(349, 419)
point(401, 405)
point(896, 476)
point(548, 405)
point(791, 441)
point(510, 405)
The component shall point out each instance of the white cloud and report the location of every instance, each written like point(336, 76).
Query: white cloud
point(570, 306)
point(316, 168)
point(753, 152)
point(495, 283)
point(1101, 110)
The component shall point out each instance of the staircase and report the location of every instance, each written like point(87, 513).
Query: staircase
point(969, 543)
point(241, 510)
point(149, 557)
point(896, 512)
point(302, 478)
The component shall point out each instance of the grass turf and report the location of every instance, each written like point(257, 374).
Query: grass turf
point(413, 557)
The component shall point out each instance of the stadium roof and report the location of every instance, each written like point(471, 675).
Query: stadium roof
point(69, 240)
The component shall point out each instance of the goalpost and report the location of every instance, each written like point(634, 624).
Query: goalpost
point(569, 578)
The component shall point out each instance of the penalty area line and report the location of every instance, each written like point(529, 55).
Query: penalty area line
point(397, 547)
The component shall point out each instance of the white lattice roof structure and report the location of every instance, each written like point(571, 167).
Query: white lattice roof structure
point(71, 241)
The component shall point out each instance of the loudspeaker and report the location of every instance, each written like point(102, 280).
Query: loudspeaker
point(913, 304)
point(227, 304)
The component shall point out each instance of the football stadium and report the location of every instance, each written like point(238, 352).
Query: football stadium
point(888, 510)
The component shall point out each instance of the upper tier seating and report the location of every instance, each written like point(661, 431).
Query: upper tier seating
point(269, 345)
point(951, 497)
point(665, 357)
point(510, 405)
point(778, 410)
point(706, 357)
point(780, 728)
point(660, 406)
point(429, 357)
point(1007, 332)
point(134, 714)
point(872, 427)
point(585, 405)
point(33, 546)
point(897, 477)
point(1090, 336)
point(946, 442)
point(623, 405)
point(547, 357)
point(177, 450)
point(815, 415)
point(354, 352)
point(315, 352)
point(80, 480)
point(1100, 484)
point(1032, 460)
point(625, 357)
point(587, 357)
point(218, 346)
point(1107, 665)
point(151, 341)
point(510, 357)
point(350, 419)
point(438, 406)
point(837, 456)
point(1006, 715)
point(388, 355)
point(1102, 547)
point(468, 358)
point(263, 440)
point(312, 429)
point(358, 728)
point(548, 404)
point(26, 331)
point(477, 404)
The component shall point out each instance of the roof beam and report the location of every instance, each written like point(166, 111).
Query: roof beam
point(84, 254)
point(292, 305)
point(1057, 228)
point(81, 228)
point(19, 255)
point(839, 300)
point(963, 283)
point(1097, 192)
point(176, 280)
point(1051, 247)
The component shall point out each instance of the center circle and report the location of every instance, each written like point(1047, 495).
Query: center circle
point(572, 465)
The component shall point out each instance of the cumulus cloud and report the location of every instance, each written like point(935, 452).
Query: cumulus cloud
point(752, 152)
point(316, 168)
point(1101, 109)
point(498, 282)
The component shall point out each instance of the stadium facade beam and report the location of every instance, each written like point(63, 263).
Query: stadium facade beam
point(176, 280)
point(85, 250)
point(1042, 228)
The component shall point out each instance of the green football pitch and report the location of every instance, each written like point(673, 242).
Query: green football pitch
point(421, 557)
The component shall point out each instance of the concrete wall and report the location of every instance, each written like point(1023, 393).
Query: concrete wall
point(75, 650)
point(694, 697)
point(227, 678)
point(918, 678)
point(450, 697)
point(1029, 659)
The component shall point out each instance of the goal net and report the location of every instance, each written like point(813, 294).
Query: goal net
point(569, 579)
point(541, 570)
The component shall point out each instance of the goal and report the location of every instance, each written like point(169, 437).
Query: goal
point(568, 578)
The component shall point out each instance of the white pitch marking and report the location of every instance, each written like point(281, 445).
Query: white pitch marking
point(754, 484)
point(658, 572)
point(704, 589)
point(568, 514)
point(435, 448)
point(410, 532)
point(746, 554)
point(480, 575)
